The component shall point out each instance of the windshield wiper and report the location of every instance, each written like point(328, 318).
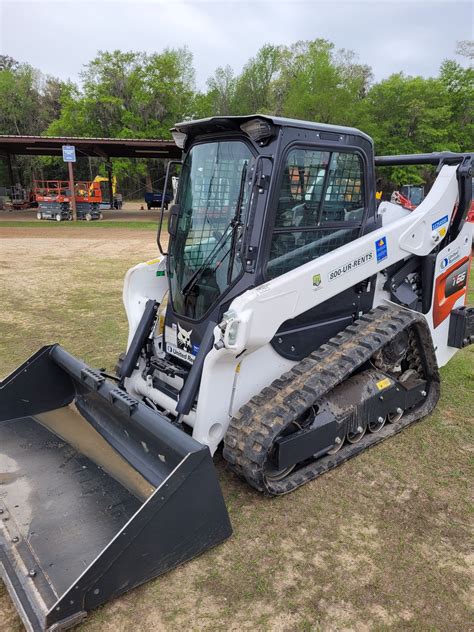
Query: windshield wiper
point(237, 222)
point(195, 277)
point(233, 224)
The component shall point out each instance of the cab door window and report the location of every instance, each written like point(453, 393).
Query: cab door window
point(320, 207)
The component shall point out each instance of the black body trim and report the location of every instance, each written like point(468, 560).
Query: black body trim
point(141, 334)
point(461, 327)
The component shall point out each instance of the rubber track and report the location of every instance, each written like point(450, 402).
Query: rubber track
point(252, 432)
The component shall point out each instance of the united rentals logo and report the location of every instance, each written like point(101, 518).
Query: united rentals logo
point(450, 258)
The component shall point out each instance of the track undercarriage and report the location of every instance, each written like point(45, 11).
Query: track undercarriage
point(366, 384)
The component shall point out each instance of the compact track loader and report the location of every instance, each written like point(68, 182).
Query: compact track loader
point(292, 320)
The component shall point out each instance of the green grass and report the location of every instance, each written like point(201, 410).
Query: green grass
point(381, 543)
point(132, 225)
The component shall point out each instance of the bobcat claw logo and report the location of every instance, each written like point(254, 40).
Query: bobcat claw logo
point(184, 339)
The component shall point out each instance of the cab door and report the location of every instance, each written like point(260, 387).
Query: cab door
point(321, 206)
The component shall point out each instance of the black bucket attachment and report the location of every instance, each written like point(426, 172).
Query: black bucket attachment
point(98, 492)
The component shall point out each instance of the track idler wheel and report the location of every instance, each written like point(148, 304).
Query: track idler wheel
point(376, 426)
point(337, 446)
point(275, 475)
point(272, 473)
point(355, 437)
point(392, 418)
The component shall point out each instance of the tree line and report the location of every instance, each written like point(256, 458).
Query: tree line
point(141, 95)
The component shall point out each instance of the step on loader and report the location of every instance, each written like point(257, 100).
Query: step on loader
point(292, 320)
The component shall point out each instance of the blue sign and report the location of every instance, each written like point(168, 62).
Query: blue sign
point(439, 223)
point(381, 249)
point(69, 153)
point(196, 349)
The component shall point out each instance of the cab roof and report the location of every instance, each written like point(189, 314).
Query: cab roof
point(231, 123)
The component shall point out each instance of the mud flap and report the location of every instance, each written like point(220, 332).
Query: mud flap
point(98, 492)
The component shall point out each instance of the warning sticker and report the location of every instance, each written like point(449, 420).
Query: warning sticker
point(439, 222)
point(351, 265)
point(171, 335)
point(385, 383)
point(153, 261)
point(381, 249)
point(261, 289)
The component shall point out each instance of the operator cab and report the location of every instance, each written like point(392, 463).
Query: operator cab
point(259, 196)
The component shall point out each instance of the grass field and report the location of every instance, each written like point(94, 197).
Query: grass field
point(45, 225)
point(382, 543)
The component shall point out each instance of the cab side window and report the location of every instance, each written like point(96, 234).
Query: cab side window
point(320, 207)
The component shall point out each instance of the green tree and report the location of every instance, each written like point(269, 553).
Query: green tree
point(406, 115)
point(8, 63)
point(458, 83)
point(321, 84)
point(203, 105)
point(129, 95)
point(254, 86)
point(465, 48)
point(19, 100)
point(29, 101)
point(221, 91)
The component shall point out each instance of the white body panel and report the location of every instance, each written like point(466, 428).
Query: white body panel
point(246, 363)
point(391, 212)
point(259, 312)
point(227, 384)
point(141, 284)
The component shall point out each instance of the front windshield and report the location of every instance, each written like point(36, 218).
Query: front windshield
point(204, 254)
point(416, 196)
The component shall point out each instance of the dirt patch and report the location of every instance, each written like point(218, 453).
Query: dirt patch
point(67, 233)
point(131, 211)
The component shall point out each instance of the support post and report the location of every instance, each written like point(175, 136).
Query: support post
point(10, 170)
point(72, 196)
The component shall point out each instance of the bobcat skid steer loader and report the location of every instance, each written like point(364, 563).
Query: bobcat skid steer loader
point(292, 321)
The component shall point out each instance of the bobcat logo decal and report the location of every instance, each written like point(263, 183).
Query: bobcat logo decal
point(184, 339)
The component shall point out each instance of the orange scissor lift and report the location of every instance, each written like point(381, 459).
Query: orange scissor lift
point(54, 200)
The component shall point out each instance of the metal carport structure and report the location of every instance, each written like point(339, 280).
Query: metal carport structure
point(106, 148)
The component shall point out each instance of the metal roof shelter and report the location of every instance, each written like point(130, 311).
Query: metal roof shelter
point(105, 148)
point(94, 147)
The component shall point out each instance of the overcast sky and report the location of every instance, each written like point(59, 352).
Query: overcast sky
point(59, 37)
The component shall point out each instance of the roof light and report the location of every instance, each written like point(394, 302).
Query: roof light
point(179, 138)
point(258, 129)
